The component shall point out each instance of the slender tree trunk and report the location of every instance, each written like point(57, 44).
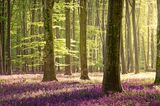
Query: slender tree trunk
point(3, 37)
point(90, 22)
point(157, 79)
point(144, 52)
point(148, 22)
point(49, 63)
point(40, 31)
point(152, 50)
point(1, 57)
point(68, 37)
point(83, 40)
point(33, 30)
point(135, 38)
point(18, 53)
point(130, 48)
point(90, 12)
point(97, 22)
point(111, 78)
point(138, 31)
point(103, 28)
point(8, 45)
point(57, 59)
point(74, 35)
point(123, 60)
point(24, 33)
point(126, 48)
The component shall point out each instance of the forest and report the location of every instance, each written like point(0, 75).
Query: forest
point(79, 52)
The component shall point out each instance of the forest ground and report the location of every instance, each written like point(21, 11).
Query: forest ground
point(28, 90)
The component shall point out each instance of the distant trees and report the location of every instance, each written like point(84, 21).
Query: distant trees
point(81, 42)
point(111, 78)
point(49, 62)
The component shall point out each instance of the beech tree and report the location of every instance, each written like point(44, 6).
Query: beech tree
point(1, 56)
point(111, 78)
point(68, 37)
point(157, 79)
point(135, 37)
point(83, 38)
point(8, 45)
point(49, 63)
point(129, 50)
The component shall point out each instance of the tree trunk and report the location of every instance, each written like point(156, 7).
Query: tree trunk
point(97, 22)
point(157, 79)
point(1, 57)
point(57, 59)
point(83, 40)
point(33, 30)
point(126, 48)
point(144, 52)
point(111, 78)
point(40, 31)
point(152, 50)
point(135, 38)
point(103, 28)
point(123, 60)
point(68, 36)
point(18, 53)
point(49, 63)
point(130, 48)
point(3, 37)
point(148, 22)
point(90, 11)
point(8, 45)
point(24, 33)
point(74, 36)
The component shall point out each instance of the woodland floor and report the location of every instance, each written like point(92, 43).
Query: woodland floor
point(28, 90)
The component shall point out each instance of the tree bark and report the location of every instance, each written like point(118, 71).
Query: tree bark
point(144, 52)
point(74, 35)
point(129, 38)
point(68, 37)
point(90, 12)
point(3, 37)
point(103, 28)
point(24, 33)
point(49, 63)
point(152, 50)
point(33, 30)
point(83, 40)
point(57, 58)
point(135, 38)
point(1, 57)
point(148, 23)
point(111, 78)
point(157, 79)
point(8, 45)
point(123, 60)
